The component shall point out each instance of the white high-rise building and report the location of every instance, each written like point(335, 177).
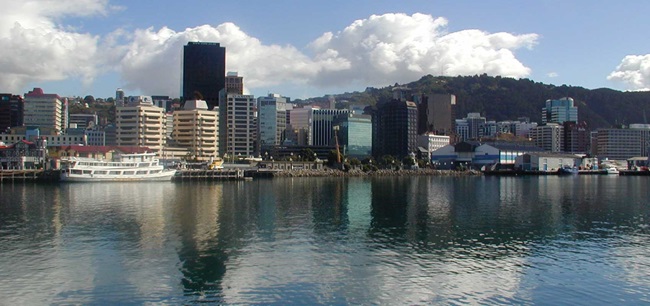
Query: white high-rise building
point(45, 111)
point(196, 128)
point(238, 125)
point(433, 142)
point(141, 124)
point(549, 137)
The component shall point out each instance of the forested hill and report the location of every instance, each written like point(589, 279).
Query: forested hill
point(500, 98)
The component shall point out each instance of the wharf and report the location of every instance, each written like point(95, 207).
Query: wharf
point(31, 175)
point(218, 174)
point(537, 172)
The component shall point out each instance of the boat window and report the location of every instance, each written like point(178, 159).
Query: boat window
point(155, 171)
point(142, 165)
point(88, 171)
point(114, 172)
point(128, 172)
point(76, 171)
point(142, 172)
point(100, 172)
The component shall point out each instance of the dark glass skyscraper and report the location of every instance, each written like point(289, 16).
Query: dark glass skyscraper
point(204, 71)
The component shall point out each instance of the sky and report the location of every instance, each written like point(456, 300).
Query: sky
point(303, 49)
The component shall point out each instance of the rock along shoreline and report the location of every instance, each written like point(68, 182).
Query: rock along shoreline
point(383, 172)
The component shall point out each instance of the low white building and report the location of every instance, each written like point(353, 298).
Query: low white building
point(433, 142)
point(546, 161)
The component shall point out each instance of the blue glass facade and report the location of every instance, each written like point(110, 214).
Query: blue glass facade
point(356, 135)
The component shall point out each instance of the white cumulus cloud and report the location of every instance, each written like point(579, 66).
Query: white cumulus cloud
point(152, 61)
point(390, 48)
point(633, 71)
point(37, 47)
point(379, 50)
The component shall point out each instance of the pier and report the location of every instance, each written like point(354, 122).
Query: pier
point(31, 175)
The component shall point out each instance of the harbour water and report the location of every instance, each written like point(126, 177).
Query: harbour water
point(387, 240)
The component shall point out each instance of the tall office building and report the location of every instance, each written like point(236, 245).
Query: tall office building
point(576, 137)
point(300, 125)
point(355, 134)
point(395, 126)
point(11, 111)
point(549, 137)
point(621, 144)
point(204, 72)
point(140, 123)
point(476, 124)
point(45, 110)
point(238, 125)
point(272, 120)
point(436, 114)
point(196, 128)
point(323, 126)
point(559, 111)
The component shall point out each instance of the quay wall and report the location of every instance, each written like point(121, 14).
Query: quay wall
point(359, 173)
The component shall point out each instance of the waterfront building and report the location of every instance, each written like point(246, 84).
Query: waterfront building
point(238, 125)
point(549, 137)
point(51, 140)
point(546, 161)
point(395, 126)
point(204, 72)
point(621, 144)
point(23, 154)
point(354, 134)
point(45, 110)
point(300, 128)
point(323, 126)
point(559, 111)
point(196, 129)
point(436, 114)
point(432, 142)
point(11, 111)
point(475, 154)
point(140, 123)
point(272, 120)
point(576, 137)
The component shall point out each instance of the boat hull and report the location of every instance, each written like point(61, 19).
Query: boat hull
point(163, 176)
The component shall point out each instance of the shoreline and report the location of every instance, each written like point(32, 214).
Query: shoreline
point(382, 172)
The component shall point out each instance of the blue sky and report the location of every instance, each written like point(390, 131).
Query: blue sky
point(311, 48)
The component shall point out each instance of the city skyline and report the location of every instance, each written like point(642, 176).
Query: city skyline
point(80, 47)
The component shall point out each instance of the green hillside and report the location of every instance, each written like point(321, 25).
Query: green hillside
point(500, 98)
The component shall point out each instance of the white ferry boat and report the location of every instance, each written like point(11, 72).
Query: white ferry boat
point(126, 167)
